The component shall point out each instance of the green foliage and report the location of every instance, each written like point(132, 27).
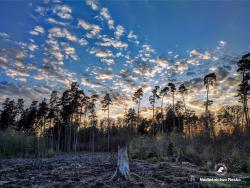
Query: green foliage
point(239, 161)
point(17, 144)
point(50, 152)
point(206, 153)
point(190, 152)
point(170, 151)
point(143, 147)
point(199, 150)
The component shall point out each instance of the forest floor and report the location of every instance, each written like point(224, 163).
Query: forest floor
point(95, 170)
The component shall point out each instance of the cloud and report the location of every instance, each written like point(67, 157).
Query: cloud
point(93, 4)
point(108, 61)
point(92, 28)
point(39, 29)
point(41, 76)
point(106, 76)
point(83, 42)
point(100, 53)
point(32, 47)
point(17, 91)
point(146, 72)
point(104, 54)
point(114, 43)
point(132, 37)
point(62, 33)
point(3, 62)
point(63, 11)
point(3, 35)
point(196, 56)
point(53, 21)
point(119, 31)
point(162, 63)
point(40, 10)
point(70, 52)
point(134, 64)
point(221, 44)
point(88, 83)
point(181, 68)
point(106, 16)
point(146, 52)
point(84, 24)
point(12, 62)
point(15, 72)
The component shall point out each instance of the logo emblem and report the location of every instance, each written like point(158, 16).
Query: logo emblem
point(220, 169)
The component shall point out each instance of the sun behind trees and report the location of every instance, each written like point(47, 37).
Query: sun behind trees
point(69, 122)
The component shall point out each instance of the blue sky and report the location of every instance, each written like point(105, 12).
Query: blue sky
point(118, 46)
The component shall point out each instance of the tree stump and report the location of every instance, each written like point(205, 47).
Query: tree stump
point(122, 164)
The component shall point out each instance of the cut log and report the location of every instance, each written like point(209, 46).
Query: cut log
point(122, 164)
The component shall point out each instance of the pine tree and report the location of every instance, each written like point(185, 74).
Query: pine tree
point(106, 102)
point(7, 116)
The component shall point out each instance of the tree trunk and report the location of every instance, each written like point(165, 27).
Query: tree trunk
point(206, 113)
point(52, 134)
point(108, 131)
point(174, 126)
point(246, 110)
point(138, 113)
point(153, 111)
point(162, 116)
point(93, 136)
point(122, 164)
point(93, 142)
point(58, 137)
point(108, 139)
point(184, 103)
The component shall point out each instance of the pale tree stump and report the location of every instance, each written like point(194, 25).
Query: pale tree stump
point(122, 169)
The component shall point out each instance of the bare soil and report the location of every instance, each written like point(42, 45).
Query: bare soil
point(95, 170)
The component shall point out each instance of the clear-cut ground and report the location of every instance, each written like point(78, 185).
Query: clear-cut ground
point(95, 170)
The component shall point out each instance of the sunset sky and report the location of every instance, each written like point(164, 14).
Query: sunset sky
point(118, 46)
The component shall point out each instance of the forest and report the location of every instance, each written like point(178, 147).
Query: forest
point(68, 123)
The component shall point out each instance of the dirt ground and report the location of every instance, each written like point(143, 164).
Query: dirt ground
point(95, 170)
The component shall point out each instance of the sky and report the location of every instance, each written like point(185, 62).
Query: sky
point(119, 46)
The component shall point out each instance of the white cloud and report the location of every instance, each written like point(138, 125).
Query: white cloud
point(41, 10)
point(106, 16)
point(132, 37)
point(104, 54)
point(83, 42)
point(104, 76)
point(39, 29)
point(92, 28)
point(182, 68)
point(32, 47)
point(63, 11)
point(53, 21)
point(64, 33)
point(92, 4)
point(196, 56)
point(119, 31)
point(42, 76)
point(162, 63)
point(111, 42)
point(84, 24)
point(70, 52)
point(108, 61)
point(4, 35)
point(88, 83)
point(14, 72)
point(146, 52)
point(221, 45)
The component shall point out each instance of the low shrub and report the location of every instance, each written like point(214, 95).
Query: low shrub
point(18, 144)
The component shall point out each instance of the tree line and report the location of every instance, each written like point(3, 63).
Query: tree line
point(69, 122)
